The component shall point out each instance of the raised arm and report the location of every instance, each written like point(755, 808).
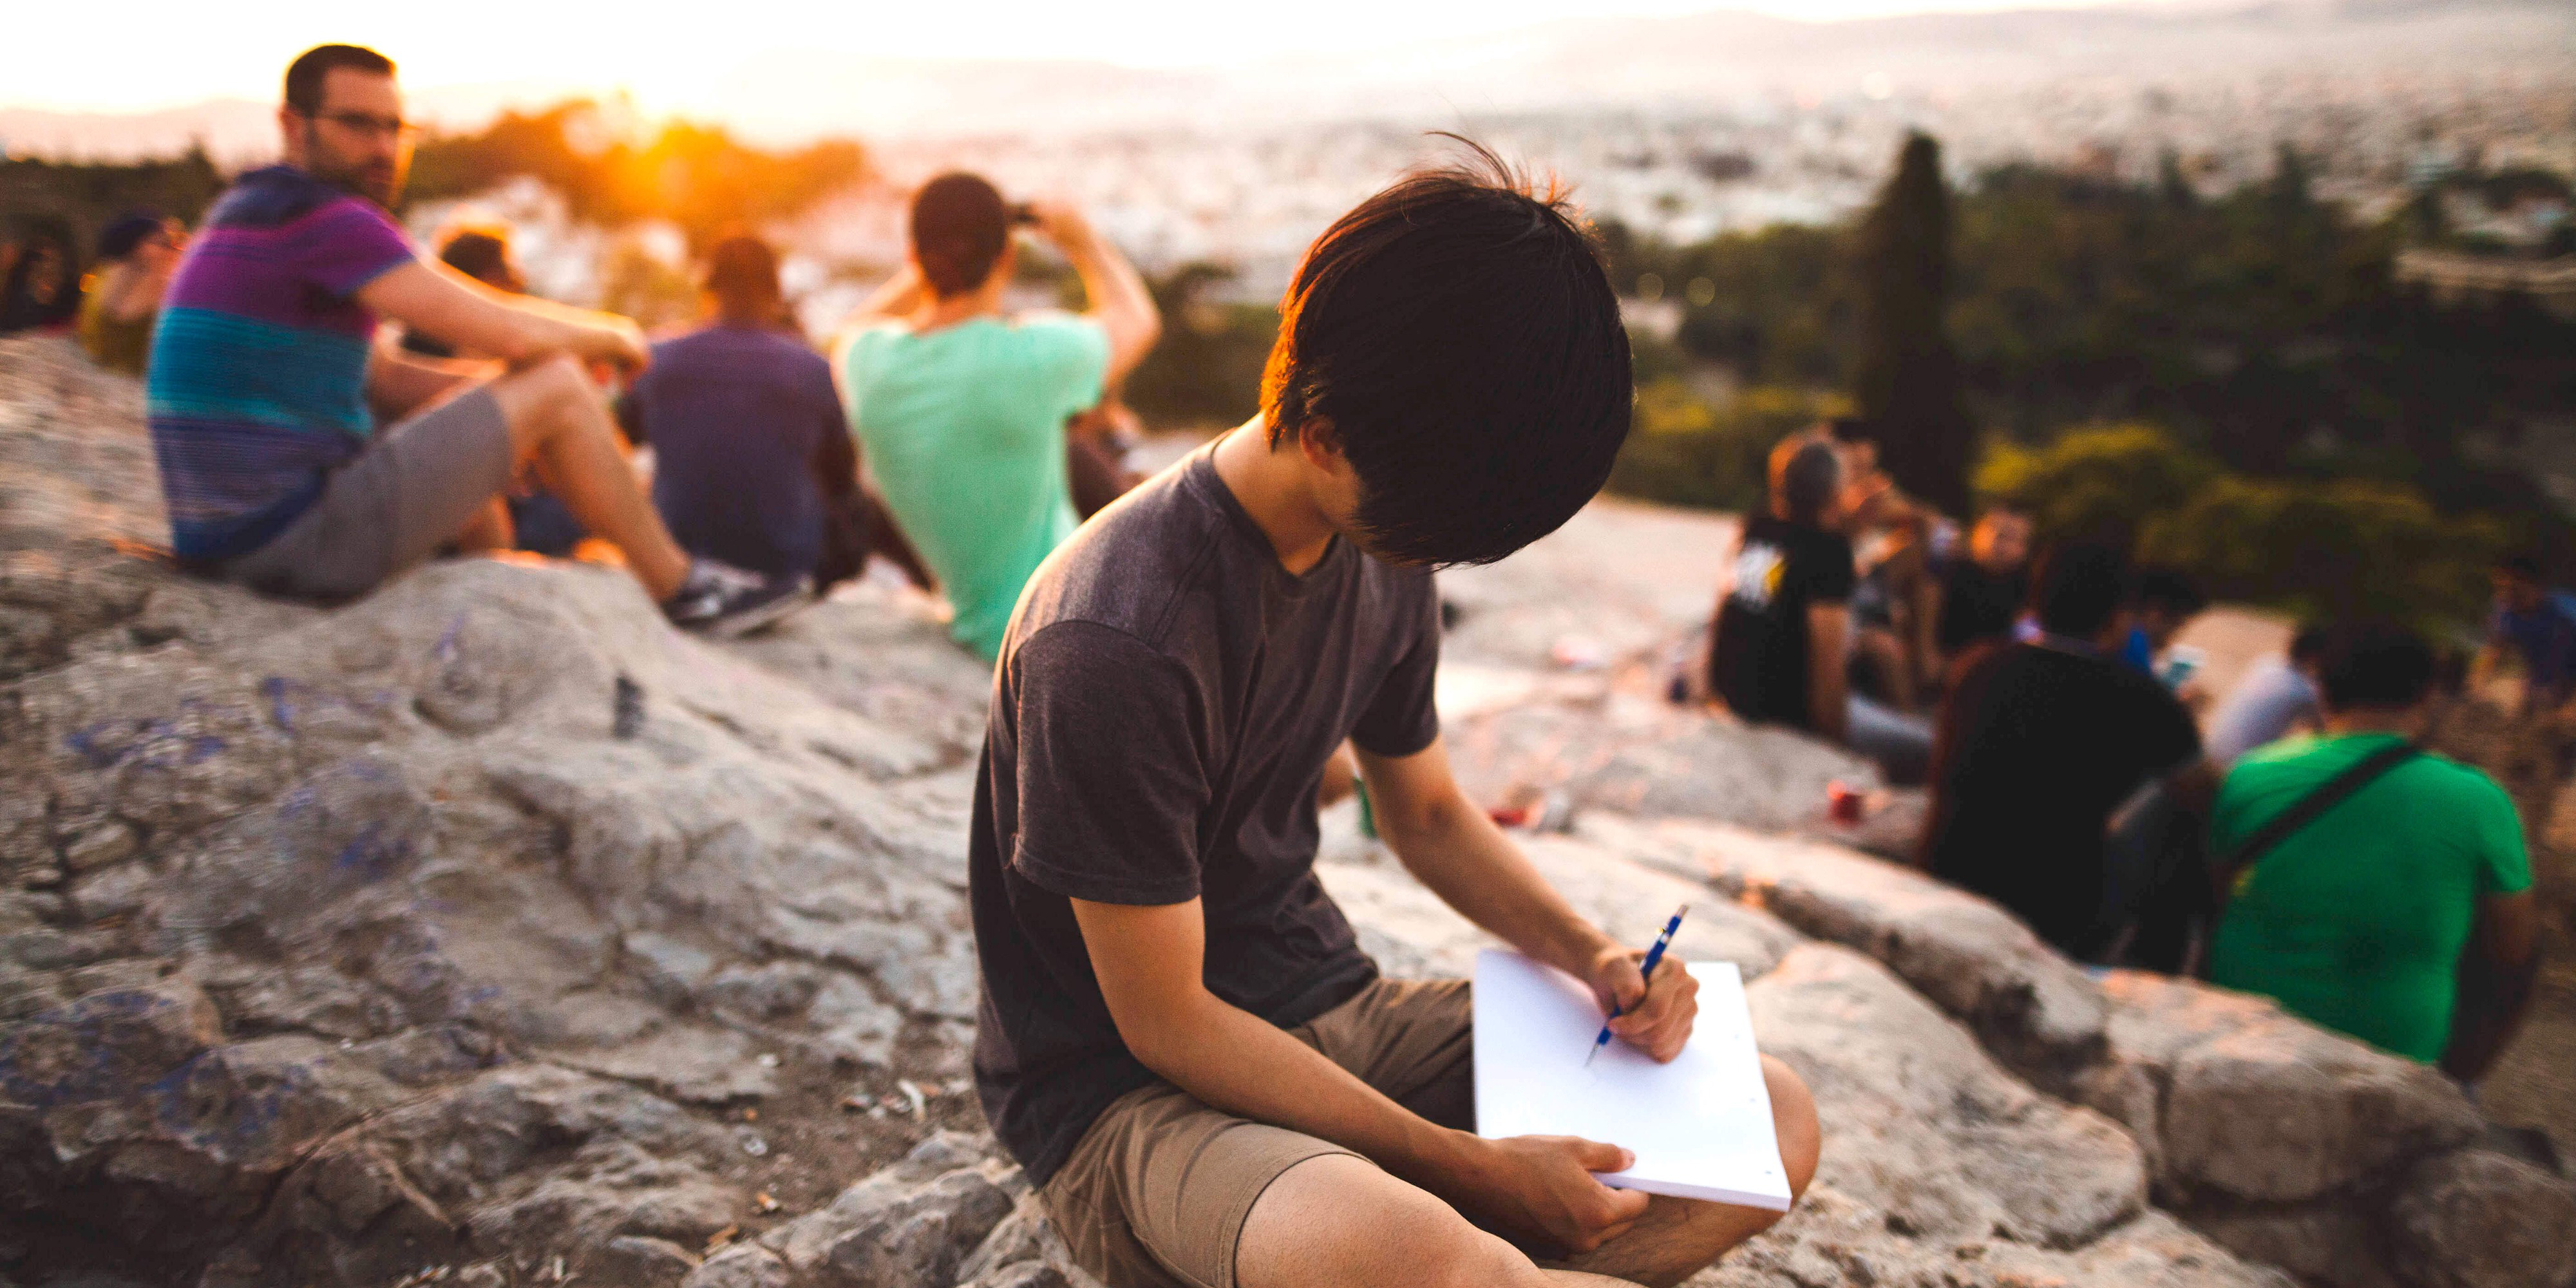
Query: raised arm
point(1119, 301)
point(517, 329)
point(1149, 961)
point(1454, 848)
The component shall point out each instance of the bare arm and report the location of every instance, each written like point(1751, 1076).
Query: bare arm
point(2496, 976)
point(1149, 961)
point(1828, 687)
point(516, 329)
point(1119, 301)
point(1453, 848)
point(400, 383)
point(899, 296)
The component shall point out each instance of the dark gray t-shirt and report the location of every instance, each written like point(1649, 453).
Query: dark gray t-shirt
point(1162, 711)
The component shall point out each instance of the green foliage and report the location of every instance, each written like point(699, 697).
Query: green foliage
point(2099, 483)
point(2331, 548)
point(1685, 451)
point(696, 176)
point(1206, 370)
point(1908, 375)
point(2350, 547)
point(82, 196)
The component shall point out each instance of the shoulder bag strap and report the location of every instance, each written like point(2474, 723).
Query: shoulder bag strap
point(2335, 791)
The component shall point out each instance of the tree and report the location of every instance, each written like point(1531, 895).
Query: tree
point(1909, 383)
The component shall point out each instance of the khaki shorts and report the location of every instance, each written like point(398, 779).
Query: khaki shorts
point(420, 481)
point(1156, 1193)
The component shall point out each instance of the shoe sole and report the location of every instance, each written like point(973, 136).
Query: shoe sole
point(753, 620)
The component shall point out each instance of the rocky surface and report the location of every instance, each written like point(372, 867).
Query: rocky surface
point(360, 947)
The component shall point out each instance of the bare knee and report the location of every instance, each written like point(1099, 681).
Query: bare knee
point(543, 400)
point(1793, 1120)
point(1340, 1222)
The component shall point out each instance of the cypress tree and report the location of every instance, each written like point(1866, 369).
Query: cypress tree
point(1909, 383)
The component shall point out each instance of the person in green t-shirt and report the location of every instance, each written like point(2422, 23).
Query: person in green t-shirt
point(2403, 914)
point(960, 405)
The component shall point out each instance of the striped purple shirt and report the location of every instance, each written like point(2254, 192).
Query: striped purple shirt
point(258, 379)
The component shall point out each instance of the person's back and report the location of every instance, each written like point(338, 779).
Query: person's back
point(2276, 696)
point(2357, 921)
point(2359, 917)
point(961, 406)
point(737, 415)
point(964, 433)
point(2038, 743)
point(1761, 658)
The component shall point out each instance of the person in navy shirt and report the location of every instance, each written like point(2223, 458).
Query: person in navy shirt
point(748, 442)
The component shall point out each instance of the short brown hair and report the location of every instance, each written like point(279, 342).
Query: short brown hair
point(305, 75)
point(959, 227)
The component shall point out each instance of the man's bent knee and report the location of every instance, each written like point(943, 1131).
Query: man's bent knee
point(1340, 1222)
point(1793, 1120)
point(535, 399)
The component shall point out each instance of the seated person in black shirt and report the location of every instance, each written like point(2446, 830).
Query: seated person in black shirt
point(2040, 742)
point(1778, 649)
point(1179, 1037)
point(1983, 593)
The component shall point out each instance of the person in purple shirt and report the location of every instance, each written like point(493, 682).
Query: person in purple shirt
point(265, 385)
point(746, 429)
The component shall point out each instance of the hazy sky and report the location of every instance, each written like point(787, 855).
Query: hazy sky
point(164, 52)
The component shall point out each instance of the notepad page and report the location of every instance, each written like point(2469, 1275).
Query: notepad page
point(1700, 1126)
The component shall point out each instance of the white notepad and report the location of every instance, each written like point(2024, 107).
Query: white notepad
point(1699, 1126)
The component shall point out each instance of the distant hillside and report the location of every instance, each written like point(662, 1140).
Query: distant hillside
point(1714, 58)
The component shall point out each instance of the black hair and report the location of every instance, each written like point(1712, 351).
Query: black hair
point(2079, 588)
point(959, 226)
point(1805, 476)
point(2169, 590)
point(305, 75)
point(1852, 429)
point(481, 253)
point(2311, 643)
point(2524, 566)
point(742, 272)
point(2376, 664)
point(1456, 337)
point(125, 232)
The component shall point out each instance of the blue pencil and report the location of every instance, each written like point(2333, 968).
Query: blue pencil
point(1654, 957)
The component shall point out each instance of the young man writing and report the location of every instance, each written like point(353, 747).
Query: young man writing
point(1179, 1037)
point(265, 393)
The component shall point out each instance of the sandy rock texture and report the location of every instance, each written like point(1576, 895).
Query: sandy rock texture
point(367, 946)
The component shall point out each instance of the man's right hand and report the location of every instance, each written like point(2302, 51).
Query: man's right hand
point(617, 341)
point(1062, 223)
point(1542, 1187)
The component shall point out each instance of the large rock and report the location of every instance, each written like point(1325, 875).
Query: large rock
point(1609, 749)
point(2038, 1011)
point(2256, 1106)
point(2477, 1219)
point(1413, 934)
point(1923, 1125)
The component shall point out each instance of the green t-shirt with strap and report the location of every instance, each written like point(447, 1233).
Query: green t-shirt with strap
point(963, 431)
point(2356, 922)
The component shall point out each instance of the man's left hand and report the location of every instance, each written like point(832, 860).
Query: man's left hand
point(1655, 1016)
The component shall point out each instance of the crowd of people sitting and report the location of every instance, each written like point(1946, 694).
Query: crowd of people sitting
point(2306, 848)
point(1219, 648)
point(433, 405)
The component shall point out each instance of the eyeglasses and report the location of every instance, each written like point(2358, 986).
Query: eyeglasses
point(370, 124)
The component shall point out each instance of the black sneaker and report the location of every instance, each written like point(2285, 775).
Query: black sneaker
point(725, 601)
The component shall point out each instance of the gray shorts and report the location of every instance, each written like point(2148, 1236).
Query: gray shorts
point(415, 487)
